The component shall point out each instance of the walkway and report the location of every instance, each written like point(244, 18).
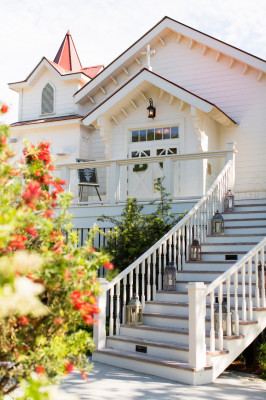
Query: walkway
point(111, 383)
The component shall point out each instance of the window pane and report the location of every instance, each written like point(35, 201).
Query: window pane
point(158, 134)
point(142, 135)
point(135, 136)
point(145, 153)
point(166, 133)
point(150, 134)
point(172, 151)
point(174, 132)
point(134, 154)
point(160, 152)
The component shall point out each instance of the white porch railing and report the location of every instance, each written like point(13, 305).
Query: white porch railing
point(116, 182)
point(144, 276)
point(243, 280)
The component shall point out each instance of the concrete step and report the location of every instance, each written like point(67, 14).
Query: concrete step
point(231, 247)
point(249, 221)
point(248, 229)
point(169, 350)
point(170, 369)
point(235, 237)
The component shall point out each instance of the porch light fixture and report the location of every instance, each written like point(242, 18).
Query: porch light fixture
point(229, 201)
point(134, 312)
point(169, 278)
point(224, 318)
point(217, 224)
point(151, 109)
point(195, 251)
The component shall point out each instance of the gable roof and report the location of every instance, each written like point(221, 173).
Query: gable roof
point(182, 29)
point(163, 83)
point(45, 120)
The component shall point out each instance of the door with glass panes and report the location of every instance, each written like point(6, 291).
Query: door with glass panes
point(150, 142)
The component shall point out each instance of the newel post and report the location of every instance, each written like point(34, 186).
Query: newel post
point(99, 328)
point(231, 146)
point(197, 314)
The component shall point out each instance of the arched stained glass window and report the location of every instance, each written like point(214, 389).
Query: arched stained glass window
point(48, 99)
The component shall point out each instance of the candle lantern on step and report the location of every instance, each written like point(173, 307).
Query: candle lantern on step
point(195, 251)
point(134, 312)
point(169, 278)
point(224, 318)
point(217, 224)
point(229, 201)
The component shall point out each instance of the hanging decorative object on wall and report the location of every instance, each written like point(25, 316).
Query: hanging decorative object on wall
point(140, 167)
point(217, 224)
point(229, 201)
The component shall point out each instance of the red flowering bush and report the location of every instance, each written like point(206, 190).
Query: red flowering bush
point(48, 285)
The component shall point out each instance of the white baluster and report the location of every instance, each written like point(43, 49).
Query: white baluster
point(212, 331)
point(257, 290)
point(228, 317)
point(143, 283)
point(154, 276)
point(130, 285)
point(183, 246)
point(262, 277)
point(175, 244)
point(189, 235)
point(170, 249)
point(160, 269)
point(137, 281)
point(236, 303)
point(179, 249)
point(250, 302)
point(111, 320)
point(117, 308)
point(149, 278)
point(164, 254)
point(220, 327)
point(124, 299)
point(244, 304)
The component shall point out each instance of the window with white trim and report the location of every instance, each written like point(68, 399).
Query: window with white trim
point(48, 99)
point(151, 134)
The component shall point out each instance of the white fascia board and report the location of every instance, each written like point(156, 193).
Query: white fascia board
point(217, 45)
point(121, 60)
point(44, 125)
point(183, 30)
point(156, 81)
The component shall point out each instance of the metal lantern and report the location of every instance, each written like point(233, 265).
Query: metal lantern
point(134, 312)
point(229, 201)
point(195, 251)
point(151, 109)
point(217, 224)
point(224, 318)
point(169, 278)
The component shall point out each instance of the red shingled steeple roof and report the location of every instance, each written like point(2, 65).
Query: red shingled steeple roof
point(67, 56)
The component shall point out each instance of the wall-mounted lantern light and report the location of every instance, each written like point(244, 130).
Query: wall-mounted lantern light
point(151, 109)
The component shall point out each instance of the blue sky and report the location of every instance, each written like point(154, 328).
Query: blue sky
point(102, 29)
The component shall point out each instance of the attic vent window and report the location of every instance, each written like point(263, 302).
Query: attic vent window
point(48, 99)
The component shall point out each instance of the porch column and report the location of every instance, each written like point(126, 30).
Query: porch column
point(197, 314)
point(112, 184)
point(122, 182)
point(65, 175)
point(99, 329)
point(168, 173)
point(231, 146)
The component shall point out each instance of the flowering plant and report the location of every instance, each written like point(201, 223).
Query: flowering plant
point(48, 285)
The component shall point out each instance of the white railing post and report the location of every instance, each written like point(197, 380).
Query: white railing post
point(112, 184)
point(99, 329)
point(231, 146)
point(197, 314)
point(168, 174)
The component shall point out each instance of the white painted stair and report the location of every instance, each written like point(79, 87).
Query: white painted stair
point(161, 345)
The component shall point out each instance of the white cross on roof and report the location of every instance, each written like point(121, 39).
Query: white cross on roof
point(148, 52)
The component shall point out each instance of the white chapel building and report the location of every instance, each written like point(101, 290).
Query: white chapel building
point(181, 104)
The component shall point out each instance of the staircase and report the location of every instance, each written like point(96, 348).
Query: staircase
point(179, 338)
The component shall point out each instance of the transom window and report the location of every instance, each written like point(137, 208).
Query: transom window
point(48, 99)
point(144, 135)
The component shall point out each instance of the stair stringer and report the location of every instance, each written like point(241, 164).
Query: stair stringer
point(236, 347)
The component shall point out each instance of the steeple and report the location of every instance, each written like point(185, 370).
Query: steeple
point(67, 56)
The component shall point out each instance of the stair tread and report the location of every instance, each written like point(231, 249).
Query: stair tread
point(150, 359)
point(166, 344)
point(157, 328)
point(199, 272)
